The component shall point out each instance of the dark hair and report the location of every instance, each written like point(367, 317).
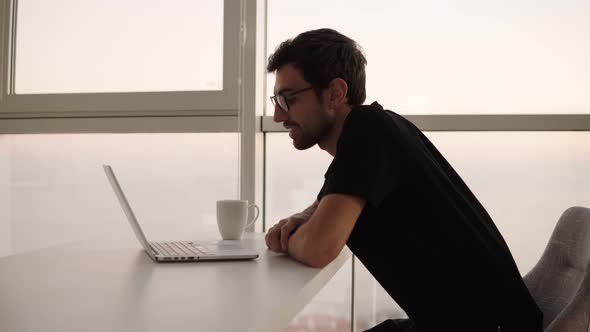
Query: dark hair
point(323, 55)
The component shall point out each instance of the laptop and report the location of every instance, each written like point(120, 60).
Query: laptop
point(178, 251)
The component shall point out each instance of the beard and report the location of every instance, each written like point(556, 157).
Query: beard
point(304, 139)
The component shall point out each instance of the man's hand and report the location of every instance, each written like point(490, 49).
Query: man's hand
point(277, 237)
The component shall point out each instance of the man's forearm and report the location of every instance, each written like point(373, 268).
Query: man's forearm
point(297, 241)
point(307, 213)
point(321, 239)
point(298, 246)
point(307, 249)
point(301, 243)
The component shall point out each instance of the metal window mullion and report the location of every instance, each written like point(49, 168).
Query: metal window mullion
point(6, 54)
point(250, 150)
point(483, 122)
point(11, 44)
point(167, 124)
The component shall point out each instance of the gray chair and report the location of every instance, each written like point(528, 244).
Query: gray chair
point(560, 281)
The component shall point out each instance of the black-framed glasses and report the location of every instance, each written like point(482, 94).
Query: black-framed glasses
point(283, 100)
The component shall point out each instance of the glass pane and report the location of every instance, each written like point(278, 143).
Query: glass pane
point(459, 56)
point(524, 179)
point(329, 310)
point(372, 304)
point(53, 186)
point(293, 179)
point(73, 46)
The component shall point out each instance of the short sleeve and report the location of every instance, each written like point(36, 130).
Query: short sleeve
point(365, 164)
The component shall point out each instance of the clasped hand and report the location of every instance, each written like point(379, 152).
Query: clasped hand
point(277, 237)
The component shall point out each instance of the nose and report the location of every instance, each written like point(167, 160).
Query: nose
point(279, 115)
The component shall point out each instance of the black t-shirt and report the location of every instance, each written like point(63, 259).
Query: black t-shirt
point(422, 234)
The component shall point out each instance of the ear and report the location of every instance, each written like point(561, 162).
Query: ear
point(338, 89)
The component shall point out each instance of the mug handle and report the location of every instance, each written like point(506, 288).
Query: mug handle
point(255, 217)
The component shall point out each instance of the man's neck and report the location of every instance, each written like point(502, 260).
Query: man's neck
point(330, 141)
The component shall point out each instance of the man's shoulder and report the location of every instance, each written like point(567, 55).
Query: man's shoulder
point(371, 112)
point(373, 119)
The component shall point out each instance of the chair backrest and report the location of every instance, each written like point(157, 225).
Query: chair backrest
point(575, 317)
point(560, 281)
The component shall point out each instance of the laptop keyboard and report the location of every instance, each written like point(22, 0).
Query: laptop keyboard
point(178, 249)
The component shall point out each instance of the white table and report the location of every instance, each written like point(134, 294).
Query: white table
point(95, 287)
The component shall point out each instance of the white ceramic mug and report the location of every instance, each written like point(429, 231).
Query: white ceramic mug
point(232, 216)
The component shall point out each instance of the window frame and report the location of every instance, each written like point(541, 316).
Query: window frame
point(131, 104)
point(482, 122)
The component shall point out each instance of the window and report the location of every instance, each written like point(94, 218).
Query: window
point(523, 179)
point(90, 46)
point(106, 58)
point(51, 183)
point(293, 177)
point(458, 57)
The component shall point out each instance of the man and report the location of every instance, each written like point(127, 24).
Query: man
point(392, 198)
